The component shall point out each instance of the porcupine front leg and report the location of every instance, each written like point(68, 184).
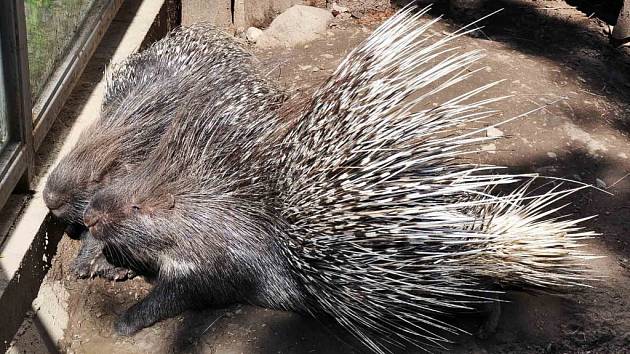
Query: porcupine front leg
point(167, 299)
point(491, 322)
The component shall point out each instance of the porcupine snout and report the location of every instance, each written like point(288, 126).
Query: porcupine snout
point(54, 202)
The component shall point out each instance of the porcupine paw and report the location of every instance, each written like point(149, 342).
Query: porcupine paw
point(127, 324)
point(117, 273)
point(81, 268)
point(134, 319)
point(100, 267)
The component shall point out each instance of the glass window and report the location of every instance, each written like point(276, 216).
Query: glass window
point(51, 26)
point(4, 121)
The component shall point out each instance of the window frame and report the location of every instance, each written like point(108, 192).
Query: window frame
point(16, 158)
point(28, 122)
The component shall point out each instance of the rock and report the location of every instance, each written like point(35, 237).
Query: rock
point(297, 25)
point(552, 155)
point(491, 148)
point(575, 133)
point(328, 56)
point(240, 33)
point(253, 34)
point(337, 9)
point(493, 132)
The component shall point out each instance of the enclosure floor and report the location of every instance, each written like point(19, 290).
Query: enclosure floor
point(542, 55)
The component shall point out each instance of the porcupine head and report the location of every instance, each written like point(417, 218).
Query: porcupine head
point(197, 206)
point(80, 173)
point(102, 148)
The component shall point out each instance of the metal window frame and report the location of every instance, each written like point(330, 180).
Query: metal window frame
point(16, 159)
point(25, 133)
point(61, 82)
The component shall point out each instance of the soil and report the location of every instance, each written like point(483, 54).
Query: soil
point(551, 55)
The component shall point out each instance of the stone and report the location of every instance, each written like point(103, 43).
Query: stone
point(297, 25)
point(493, 132)
point(216, 12)
point(337, 9)
point(253, 34)
point(491, 148)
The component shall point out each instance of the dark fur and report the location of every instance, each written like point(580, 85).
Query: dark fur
point(159, 214)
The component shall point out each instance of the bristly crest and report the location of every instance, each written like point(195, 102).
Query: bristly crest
point(388, 227)
point(181, 53)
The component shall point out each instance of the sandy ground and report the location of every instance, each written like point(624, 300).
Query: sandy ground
point(544, 51)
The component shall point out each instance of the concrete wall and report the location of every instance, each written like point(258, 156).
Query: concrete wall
point(218, 12)
point(259, 13)
point(235, 14)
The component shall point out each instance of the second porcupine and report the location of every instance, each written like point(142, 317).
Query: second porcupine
point(141, 98)
point(360, 209)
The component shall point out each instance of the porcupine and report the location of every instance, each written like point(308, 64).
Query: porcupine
point(360, 208)
point(140, 101)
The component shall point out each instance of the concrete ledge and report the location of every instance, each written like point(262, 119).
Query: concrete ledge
point(26, 254)
point(19, 290)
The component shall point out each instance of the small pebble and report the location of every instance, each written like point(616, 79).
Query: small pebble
point(622, 155)
point(493, 132)
point(338, 9)
point(491, 148)
point(253, 34)
point(600, 183)
point(305, 67)
point(328, 56)
point(553, 155)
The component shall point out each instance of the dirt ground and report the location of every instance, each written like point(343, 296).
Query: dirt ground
point(545, 51)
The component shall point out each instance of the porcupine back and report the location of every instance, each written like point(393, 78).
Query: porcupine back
point(387, 225)
point(179, 53)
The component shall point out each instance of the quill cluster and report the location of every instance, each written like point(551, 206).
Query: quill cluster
point(358, 206)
